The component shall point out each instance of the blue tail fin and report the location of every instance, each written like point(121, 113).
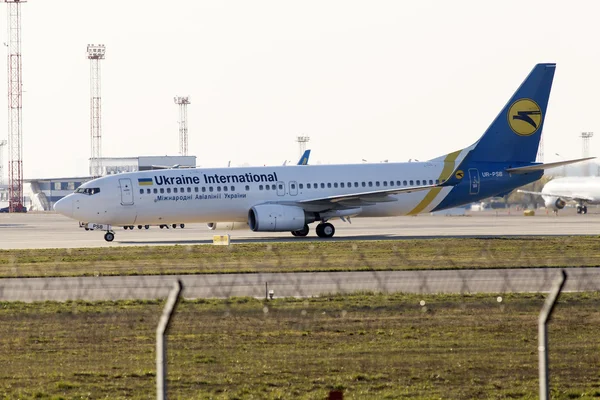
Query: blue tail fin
point(304, 158)
point(514, 136)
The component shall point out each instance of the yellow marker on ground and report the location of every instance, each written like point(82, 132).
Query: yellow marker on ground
point(221, 240)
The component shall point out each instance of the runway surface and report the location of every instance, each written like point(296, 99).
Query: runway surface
point(296, 285)
point(49, 230)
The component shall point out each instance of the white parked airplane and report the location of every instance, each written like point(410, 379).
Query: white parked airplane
point(557, 192)
point(289, 198)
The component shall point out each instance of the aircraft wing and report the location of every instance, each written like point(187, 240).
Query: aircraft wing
point(574, 197)
point(362, 198)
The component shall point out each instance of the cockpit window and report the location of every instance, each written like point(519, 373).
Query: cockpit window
point(88, 191)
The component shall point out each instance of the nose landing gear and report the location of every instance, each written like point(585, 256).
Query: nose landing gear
point(109, 236)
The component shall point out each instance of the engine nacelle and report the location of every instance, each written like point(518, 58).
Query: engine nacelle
point(278, 218)
point(555, 203)
point(227, 226)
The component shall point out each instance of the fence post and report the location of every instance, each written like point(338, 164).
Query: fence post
point(161, 340)
point(545, 315)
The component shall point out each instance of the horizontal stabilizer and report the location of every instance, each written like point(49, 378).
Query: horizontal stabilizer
point(540, 167)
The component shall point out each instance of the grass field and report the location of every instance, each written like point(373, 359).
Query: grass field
point(295, 257)
point(371, 346)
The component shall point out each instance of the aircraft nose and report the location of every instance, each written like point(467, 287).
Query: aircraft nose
point(64, 206)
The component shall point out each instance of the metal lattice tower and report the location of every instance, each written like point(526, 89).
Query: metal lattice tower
point(183, 127)
point(302, 140)
point(585, 150)
point(95, 53)
point(540, 153)
point(2, 144)
point(15, 104)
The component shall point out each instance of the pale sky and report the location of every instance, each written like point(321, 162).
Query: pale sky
point(368, 80)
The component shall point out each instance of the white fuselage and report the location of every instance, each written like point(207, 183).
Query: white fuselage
point(573, 187)
point(227, 194)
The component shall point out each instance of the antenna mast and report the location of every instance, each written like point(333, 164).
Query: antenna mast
point(95, 53)
point(15, 104)
point(183, 128)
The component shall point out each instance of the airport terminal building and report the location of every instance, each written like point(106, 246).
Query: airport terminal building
point(41, 194)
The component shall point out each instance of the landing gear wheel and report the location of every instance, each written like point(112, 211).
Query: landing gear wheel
point(325, 230)
point(140, 227)
point(584, 209)
point(182, 226)
point(125, 227)
point(579, 209)
point(147, 226)
point(302, 232)
point(109, 236)
point(174, 226)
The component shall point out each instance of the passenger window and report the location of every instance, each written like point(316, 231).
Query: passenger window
point(174, 190)
point(218, 188)
point(210, 189)
point(148, 191)
point(355, 184)
point(392, 183)
point(329, 185)
point(411, 183)
point(141, 191)
point(418, 182)
point(196, 189)
point(377, 183)
point(293, 186)
point(301, 186)
point(168, 190)
point(273, 187)
point(430, 182)
point(189, 190)
point(384, 183)
point(370, 184)
point(247, 187)
point(308, 185)
point(322, 186)
point(224, 188)
point(342, 185)
point(155, 191)
point(437, 181)
point(280, 187)
point(233, 188)
point(364, 184)
point(203, 189)
point(404, 183)
point(335, 185)
point(267, 187)
point(349, 184)
point(162, 190)
point(182, 190)
point(260, 187)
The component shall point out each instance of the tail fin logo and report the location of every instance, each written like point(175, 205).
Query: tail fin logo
point(524, 117)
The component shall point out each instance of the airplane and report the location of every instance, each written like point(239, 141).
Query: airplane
point(233, 226)
point(289, 198)
point(559, 191)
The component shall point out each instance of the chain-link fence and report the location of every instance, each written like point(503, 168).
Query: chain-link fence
point(464, 332)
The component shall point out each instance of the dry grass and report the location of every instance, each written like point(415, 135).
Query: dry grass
point(296, 257)
point(368, 345)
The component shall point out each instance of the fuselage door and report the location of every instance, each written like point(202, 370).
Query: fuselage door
point(293, 188)
point(474, 180)
point(126, 192)
point(280, 188)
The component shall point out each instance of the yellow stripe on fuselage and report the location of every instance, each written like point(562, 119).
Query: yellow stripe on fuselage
point(446, 171)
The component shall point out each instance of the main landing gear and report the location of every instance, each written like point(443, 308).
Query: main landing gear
point(581, 209)
point(302, 232)
point(324, 230)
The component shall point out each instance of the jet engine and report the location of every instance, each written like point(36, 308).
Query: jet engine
point(278, 218)
point(227, 226)
point(555, 203)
